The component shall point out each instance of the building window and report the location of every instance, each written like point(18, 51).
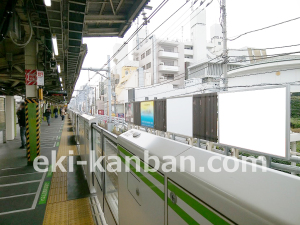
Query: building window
point(168, 63)
point(188, 56)
point(137, 59)
point(219, 43)
point(168, 48)
point(148, 65)
point(148, 52)
point(188, 47)
point(169, 76)
point(143, 56)
point(143, 67)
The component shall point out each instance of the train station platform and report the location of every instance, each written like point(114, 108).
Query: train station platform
point(31, 197)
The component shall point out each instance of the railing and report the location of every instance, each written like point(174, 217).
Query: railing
point(289, 166)
point(277, 164)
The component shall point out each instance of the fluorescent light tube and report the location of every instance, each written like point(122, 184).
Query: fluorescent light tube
point(58, 68)
point(60, 79)
point(47, 3)
point(54, 43)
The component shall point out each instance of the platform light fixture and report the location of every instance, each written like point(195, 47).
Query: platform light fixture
point(60, 79)
point(58, 68)
point(47, 3)
point(54, 43)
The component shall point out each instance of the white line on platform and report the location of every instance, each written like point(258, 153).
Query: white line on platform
point(15, 211)
point(54, 144)
point(14, 184)
point(15, 175)
point(12, 168)
point(38, 192)
point(14, 196)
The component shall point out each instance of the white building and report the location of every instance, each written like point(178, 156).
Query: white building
point(272, 71)
point(165, 60)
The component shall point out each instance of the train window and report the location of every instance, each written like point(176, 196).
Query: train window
point(98, 154)
point(111, 178)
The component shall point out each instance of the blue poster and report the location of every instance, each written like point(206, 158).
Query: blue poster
point(147, 114)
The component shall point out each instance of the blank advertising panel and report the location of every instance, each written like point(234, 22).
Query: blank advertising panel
point(205, 116)
point(160, 115)
point(147, 114)
point(180, 116)
point(137, 113)
point(256, 120)
point(129, 113)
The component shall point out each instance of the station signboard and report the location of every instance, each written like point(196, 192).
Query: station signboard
point(40, 78)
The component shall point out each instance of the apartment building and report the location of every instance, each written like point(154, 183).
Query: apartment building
point(163, 60)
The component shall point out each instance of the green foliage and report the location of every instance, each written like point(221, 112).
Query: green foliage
point(295, 111)
point(295, 123)
point(295, 107)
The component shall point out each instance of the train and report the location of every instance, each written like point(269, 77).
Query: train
point(180, 195)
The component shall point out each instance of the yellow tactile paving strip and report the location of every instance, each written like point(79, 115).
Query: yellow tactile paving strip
point(59, 211)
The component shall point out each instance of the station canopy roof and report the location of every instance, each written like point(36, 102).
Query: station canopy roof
point(69, 21)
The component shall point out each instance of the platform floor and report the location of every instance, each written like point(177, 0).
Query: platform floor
point(30, 197)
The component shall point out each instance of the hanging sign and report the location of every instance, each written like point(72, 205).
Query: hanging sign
point(30, 77)
point(40, 78)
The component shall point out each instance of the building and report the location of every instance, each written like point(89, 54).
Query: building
point(270, 71)
point(164, 60)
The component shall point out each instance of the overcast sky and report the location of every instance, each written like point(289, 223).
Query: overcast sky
point(242, 16)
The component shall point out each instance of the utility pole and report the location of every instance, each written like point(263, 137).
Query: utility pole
point(224, 80)
point(109, 124)
point(137, 34)
point(95, 102)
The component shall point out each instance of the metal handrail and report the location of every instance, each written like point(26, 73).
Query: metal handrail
point(112, 137)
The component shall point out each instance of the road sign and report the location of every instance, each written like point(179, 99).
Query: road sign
point(30, 77)
point(40, 78)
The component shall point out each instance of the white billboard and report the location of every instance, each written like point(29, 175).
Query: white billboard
point(180, 116)
point(256, 120)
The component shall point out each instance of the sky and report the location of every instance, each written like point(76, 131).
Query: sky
point(242, 16)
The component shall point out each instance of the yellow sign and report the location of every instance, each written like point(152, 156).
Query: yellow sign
point(127, 70)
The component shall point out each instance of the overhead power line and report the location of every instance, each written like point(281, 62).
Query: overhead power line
point(158, 41)
point(286, 46)
point(162, 24)
point(262, 57)
point(241, 86)
point(263, 28)
point(135, 32)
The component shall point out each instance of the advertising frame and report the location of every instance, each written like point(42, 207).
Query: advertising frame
point(287, 127)
point(152, 117)
point(125, 114)
point(178, 134)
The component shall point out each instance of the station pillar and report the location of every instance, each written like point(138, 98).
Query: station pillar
point(32, 110)
point(10, 118)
